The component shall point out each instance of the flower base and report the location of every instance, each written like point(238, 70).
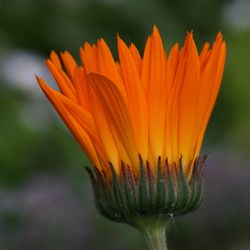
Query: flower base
point(147, 200)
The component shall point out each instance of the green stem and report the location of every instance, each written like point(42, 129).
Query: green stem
point(154, 231)
point(156, 239)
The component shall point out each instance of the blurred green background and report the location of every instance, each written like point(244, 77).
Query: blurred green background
point(45, 196)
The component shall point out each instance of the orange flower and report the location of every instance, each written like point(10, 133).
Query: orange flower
point(154, 106)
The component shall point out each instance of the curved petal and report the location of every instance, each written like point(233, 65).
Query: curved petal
point(104, 132)
point(79, 133)
point(211, 77)
point(82, 88)
point(116, 114)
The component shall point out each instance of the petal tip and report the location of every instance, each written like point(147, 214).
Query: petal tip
point(156, 32)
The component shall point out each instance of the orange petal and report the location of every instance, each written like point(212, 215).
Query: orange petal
point(86, 121)
point(189, 101)
point(99, 59)
point(82, 116)
point(137, 105)
point(78, 132)
point(145, 65)
point(104, 131)
point(65, 87)
point(136, 56)
point(182, 104)
point(172, 64)
point(89, 58)
point(116, 114)
point(211, 78)
point(55, 59)
point(157, 94)
point(69, 63)
point(82, 89)
point(204, 51)
point(107, 66)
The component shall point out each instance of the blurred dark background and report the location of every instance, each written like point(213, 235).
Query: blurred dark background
point(45, 196)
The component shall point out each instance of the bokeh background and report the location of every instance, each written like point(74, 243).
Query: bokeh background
point(46, 201)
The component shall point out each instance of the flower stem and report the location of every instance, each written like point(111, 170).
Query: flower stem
point(154, 232)
point(156, 239)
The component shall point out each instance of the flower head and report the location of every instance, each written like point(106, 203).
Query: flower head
point(157, 105)
point(141, 121)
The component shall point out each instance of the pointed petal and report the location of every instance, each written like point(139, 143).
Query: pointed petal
point(204, 51)
point(211, 77)
point(182, 104)
point(137, 105)
point(69, 63)
point(99, 59)
point(82, 116)
point(86, 121)
point(116, 114)
point(145, 65)
point(89, 59)
point(136, 56)
point(107, 66)
point(154, 66)
point(65, 87)
point(55, 59)
point(78, 132)
point(172, 65)
point(188, 101)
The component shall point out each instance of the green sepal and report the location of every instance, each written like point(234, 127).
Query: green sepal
point(151, 189)
point(160, 189)
point(170, 192)
point(102, 201)
point(182, 190)
point(129, 189)
point(126, 196)
point(142, 189)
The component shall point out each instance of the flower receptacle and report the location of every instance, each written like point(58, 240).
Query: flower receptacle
point(125, 197)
